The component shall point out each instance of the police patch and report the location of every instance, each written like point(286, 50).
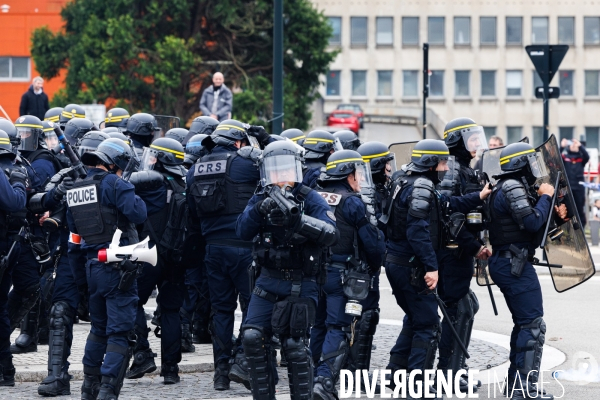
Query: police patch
point(333, 199)
point(330, 215)
point(81, 196)
point(210, 167)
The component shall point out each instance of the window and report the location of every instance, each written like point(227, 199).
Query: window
point(14, 69)
point(385, 31)
point(565, 82)
point(592, 83)
point(514, 83)
point(489, 132)
point(513, 134)
point(336, 35)
point(566, 30)
point(384, 83)
point(514, 30)
point(591, 30)
point(488, 83)
point(487, 29)
point(539, 30)
point(436, 83)
point(410, 83)
point(462, 30)
point(537, 81)
point(461, 83)
point(333, 83)
point(358, 31)
point(359, 83)
point(565, 132)
point(538, 136)
point(435, 30)
point(592, 137)
point(410, 31)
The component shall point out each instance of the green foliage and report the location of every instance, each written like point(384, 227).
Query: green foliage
point(158, 55)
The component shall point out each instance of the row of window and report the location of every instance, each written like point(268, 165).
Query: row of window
point(462, 83)
point(436, 30)
point(516, 133)
point(14, 69)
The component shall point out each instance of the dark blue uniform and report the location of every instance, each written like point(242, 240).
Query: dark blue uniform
point(112, 311)
point(331, 318)
point(420, 331)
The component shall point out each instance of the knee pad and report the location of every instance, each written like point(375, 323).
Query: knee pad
point(257, 350)
point(300, 367)
point(466, 307)
point(337, 359)
point(430, 347)
point(61, 314)
point(533, 349)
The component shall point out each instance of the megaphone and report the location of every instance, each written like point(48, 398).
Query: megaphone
point(139, 252)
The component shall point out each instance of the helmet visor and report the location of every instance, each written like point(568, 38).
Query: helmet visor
point(51, 139)
point(390, 166)
point(280, 169)
point(362, 173)
point(475, 141)
point(444, 166)
point(337, 145)
point(29, 138)
point(81, 150)
point(149, 159)
point(537, 166)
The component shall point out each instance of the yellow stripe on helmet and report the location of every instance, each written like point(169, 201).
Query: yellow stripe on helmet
point(366, 158)
point(458, 128)
point(316, 140)
point(29, 126)
point(178, 154)
point(53, 119)
point(421, 152)
point(4, 141)
point(298, 138)
point(225, 127)
point(333, 164)
point(116, 119)
point(48, 129)
point(508, 157)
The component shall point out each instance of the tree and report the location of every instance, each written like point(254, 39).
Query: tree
point(158, 55)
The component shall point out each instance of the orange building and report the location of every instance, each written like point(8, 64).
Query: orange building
point(18, 20)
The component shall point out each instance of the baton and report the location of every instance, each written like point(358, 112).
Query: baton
point(487, 283)
point(454, 333)
point(4, 260)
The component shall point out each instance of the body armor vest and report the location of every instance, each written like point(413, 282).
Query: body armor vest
point(396, 227)
point(452, 184)
point(336, 198)
point(95, 222)
point(214, 192)
point(45, 154)
point(504, 230)
point(159, 220)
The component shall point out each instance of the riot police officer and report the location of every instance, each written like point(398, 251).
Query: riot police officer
point(415, 232)
point(295, 135)
point(357, 253)
point(76, 128)
point(116, 118)
point(464, 139)
point(112, 203)
point(161, 174)
point(178, 134)
point(13, 187)
point(141, 128)
point(289, 251)
point(219, 186)
point(348, 139)
point(318, 145)
point(53, 114)
point(194, 149)
point(69, 112)
point(516, 226)
point(202, 125)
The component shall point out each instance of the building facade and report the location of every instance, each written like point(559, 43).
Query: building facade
point(477, 61)
point(18, 20)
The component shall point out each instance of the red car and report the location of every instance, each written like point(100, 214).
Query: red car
point(358, 111)
point(344, 119)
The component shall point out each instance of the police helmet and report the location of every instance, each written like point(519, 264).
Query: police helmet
point(194, 149)
point(427, 154)
point(345, 162)
point(53, 114)
point(178, 134)
point(111, 129)
point(205, 125)
point(6, 148)
point(110, 151)
point(49, 135)
point(69, 112)
point(318, 144)
point(281, 162)
point(295, 135)
point(142, 124)
point(77, 127)
point(378, 156)
point(29, 129)
point(9, 128)
point(464, 137)
point(90, 142)
point(232, 129)
point(117, 135)
point(116, 117)
point(522, 157)
point(348, 139)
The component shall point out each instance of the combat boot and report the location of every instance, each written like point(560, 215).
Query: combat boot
point(238, 371)
point(186, 339)
point(91, 383)
point(7, 372)
point(55, 385)
point(143, 363)
point(324, 389)
point(27, 340)
point(221, 379)
point(170, 374)
point(200, 333)
point(107, 390)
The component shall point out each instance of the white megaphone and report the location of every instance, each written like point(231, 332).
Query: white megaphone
point(139, 252)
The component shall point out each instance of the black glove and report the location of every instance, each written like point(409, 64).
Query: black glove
point(265, 206)
point(17, 176)
point(259, 133)
point(278, 218)
point(66, 184)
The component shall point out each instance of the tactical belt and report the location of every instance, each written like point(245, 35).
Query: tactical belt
point(508, 254)
point(400, 260)
point(283, 274)
point(339, 265)
point(263, 294)
point(231, 243)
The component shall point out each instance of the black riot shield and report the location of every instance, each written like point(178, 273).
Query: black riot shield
point(165, 122)
point(402, 152)
point(571, 249)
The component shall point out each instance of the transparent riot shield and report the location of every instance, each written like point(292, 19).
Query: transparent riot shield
point(402, 151)
point(165, 122)
point(571, 249)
